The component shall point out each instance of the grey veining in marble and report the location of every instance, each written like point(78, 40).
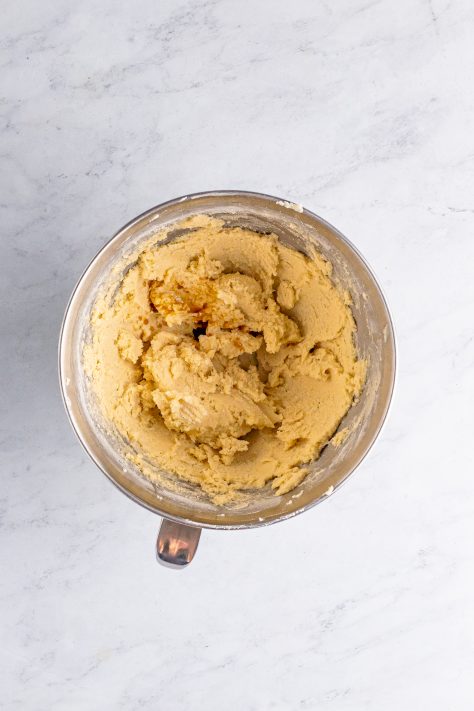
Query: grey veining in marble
point(364, 112)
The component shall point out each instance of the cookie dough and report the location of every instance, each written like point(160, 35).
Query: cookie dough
point(225, 358)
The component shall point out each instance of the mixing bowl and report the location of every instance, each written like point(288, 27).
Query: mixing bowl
point(185, 508)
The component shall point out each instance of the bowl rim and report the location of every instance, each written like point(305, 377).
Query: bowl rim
point(65, 324)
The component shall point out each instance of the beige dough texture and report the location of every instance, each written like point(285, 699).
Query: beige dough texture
point(225, 358)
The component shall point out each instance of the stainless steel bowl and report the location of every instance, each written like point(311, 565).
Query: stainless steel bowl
point(185, 508)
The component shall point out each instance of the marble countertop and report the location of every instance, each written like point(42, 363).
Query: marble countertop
point(361, 110)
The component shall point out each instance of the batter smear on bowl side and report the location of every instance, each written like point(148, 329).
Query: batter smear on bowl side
point(225, 358)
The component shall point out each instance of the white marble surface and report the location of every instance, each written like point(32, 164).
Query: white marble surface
point(364, 112)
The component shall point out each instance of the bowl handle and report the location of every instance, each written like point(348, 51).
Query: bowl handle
point(176, 543)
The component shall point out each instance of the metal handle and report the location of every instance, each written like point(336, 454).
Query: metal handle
point(176, 543)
